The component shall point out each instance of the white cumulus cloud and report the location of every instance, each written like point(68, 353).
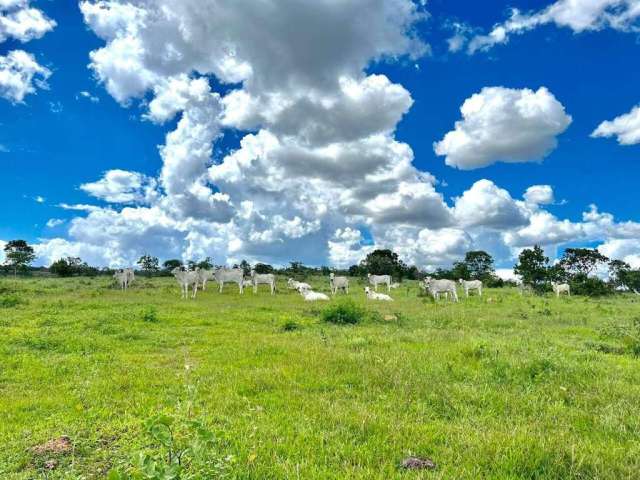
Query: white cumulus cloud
point(625, 127)
point(504, 125)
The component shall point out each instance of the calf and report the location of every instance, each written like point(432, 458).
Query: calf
point(471, 285)
point(376, 280)
point(559, 288)
point(377, 296)
point(338, 283)
point(186, 280)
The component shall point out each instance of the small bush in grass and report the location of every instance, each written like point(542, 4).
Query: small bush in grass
point(150, 315)
point(345, 312)
point(289, 326)
point(8, 301)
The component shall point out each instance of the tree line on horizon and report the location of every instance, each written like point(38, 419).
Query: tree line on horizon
point(576, 267)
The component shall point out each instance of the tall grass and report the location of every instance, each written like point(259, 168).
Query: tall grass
point(501, 386)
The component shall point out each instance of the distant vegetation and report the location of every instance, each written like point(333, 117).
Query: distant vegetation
point(577, 267)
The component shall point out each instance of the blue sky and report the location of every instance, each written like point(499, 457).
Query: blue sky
point(57, 139)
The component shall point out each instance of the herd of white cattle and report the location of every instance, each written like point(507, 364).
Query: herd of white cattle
point(191, 280)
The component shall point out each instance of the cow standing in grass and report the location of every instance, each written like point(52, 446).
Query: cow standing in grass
point(436, 287)
point(263, 279)
point(230, 275)
point(468, 285)
point(559, 288)
point(376, 280)
point(124, 277)
point(186, 280)
point(204, 275)
point(337, 283)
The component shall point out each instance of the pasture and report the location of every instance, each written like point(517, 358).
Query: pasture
point(501, 386)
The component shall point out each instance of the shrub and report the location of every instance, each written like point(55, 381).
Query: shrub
point(150, 315)
point(589, 286)
point(289, 326)
point(8, 301)
point(345, 312)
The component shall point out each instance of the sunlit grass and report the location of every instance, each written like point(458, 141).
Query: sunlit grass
point(501, 386)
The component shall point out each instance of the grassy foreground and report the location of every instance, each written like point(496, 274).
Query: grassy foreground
point(499, 387)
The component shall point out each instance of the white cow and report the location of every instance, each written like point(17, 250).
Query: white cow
point(559, 288)
point(263, 279)
point(394, 285)
point(230, 275)
point(186, 279)
point(124, 277)
point(338, 283)
point(377, 296)
point(311, 296)
point(295, 285)
point(436, 287)
point(376, 280)
point(204, 275)
point(471, 285)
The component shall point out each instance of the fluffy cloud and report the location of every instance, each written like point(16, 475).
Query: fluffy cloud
point(625, 127)
point(627, 250)
point(487, 205)
point(121, 186)
point(20, 73)
point(539, 194)
point(22, 23)
point(578, 15)
point(318, 167)
point(504, 125)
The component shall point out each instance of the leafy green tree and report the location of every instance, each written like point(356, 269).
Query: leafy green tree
point(618, 270)
point(263, 268)
point(171, 264)
point(479, 264)
point(246, 268)
point(383, 262)
point(581, 261)
point(206, 264)
point(148, 264)
point(533, 267)
point(460, 270)
point(18, 255)
point(66, 267)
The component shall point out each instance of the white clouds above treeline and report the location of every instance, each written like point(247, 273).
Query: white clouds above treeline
point(318, 175)
point(20, 73)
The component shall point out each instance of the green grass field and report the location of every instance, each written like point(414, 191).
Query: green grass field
point(501, 386)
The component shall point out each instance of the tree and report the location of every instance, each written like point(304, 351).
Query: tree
point(263, 268)
point(18, 255)
point(383, 262)
point(479, 264)
point(149, 264)
point(246, 268)
point(66, 267)
point(206, 264)
point(171, 264)
point(618, 271)
point(533, 267)
point(581, 261)
point(460, 270)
